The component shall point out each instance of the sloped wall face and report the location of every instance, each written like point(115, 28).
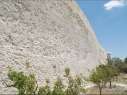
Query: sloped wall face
point(46, 36)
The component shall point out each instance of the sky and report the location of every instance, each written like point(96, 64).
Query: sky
point(108, 19)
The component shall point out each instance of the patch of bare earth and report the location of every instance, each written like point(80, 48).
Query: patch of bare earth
point(107, 91)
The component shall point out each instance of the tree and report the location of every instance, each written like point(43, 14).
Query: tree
point(120, 65)
point(124, 67)
point(102, 75)
point(111, 73)
point(109, 59)
point(99, 77)
point(95, 79)
point(125, 60)
point(112, 66)
point(117, 62)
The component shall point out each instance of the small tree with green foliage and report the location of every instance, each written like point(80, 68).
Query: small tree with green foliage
point(99, 78)
point(111, 72)
point(102, 75)
point(125, 60)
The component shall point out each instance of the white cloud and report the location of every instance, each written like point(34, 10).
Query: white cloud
point(114, 3)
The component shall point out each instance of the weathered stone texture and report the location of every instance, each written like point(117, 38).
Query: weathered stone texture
point(44, 37)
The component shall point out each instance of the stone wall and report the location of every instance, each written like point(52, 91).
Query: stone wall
point(44, 37)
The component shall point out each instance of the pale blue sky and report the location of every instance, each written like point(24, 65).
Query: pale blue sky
point(109, 24)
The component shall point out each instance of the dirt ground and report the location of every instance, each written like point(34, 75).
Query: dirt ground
point(107, 91)
point(119, 87)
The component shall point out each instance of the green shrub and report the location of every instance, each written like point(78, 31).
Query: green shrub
point(58, 88)
point(45, 90)
point(74, 84)
point(67, 72)
point(25, 84)
point(73, 87)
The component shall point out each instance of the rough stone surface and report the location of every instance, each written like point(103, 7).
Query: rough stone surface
point(44, 37)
